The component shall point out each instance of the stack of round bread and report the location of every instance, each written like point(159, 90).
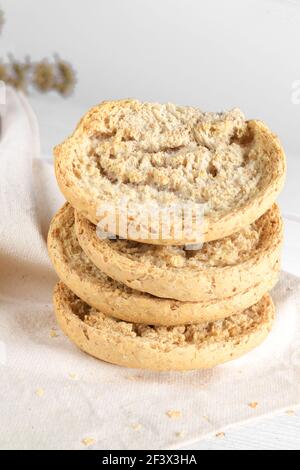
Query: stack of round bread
point(157, 297)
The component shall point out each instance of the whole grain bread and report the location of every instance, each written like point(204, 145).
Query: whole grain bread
point(220, 269)
point(182, 347)
point(115, 299)
point(160, 155)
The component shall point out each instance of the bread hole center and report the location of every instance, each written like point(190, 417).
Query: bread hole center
point(212, 170)
point(245, 160)
point(242, 138)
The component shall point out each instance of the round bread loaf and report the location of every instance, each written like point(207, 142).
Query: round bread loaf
point(158, 347)
point(220, 269)
point(169, 174)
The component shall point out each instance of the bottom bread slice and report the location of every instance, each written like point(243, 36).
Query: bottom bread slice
point(183, 347)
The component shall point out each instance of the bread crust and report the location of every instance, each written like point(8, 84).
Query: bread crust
point(215, 226)
point(124, 303)
point(110, 343)
point(196, 285)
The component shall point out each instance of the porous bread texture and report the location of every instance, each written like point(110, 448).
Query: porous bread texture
point(167, 154)
point(115, 299)
point(157, 347)
point(218, 270)
point(219, 253)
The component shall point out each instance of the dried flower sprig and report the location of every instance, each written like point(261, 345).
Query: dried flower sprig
point(58, 75)
point(44, 76)
point(16, 73)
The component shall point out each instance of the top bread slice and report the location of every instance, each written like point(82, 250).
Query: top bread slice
point(155, 157)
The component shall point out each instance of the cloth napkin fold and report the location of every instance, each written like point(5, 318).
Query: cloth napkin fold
point(53, 396)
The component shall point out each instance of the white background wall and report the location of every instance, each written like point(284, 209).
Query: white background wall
point(212, 53)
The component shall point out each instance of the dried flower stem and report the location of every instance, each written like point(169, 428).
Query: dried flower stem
point(44, 76)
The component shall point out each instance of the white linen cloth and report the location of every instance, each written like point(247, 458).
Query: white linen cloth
point(53, 396)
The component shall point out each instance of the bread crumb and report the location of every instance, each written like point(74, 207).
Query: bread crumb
point(136, 426)
point(73, 376)
point(220, 435)
point(180, 434)
point(40, 392)
point(206, 418)
point(134, 377)
point(53, 333)
point(174, 414)
point(88, 441)
point(253, 404)
point(290, 412)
